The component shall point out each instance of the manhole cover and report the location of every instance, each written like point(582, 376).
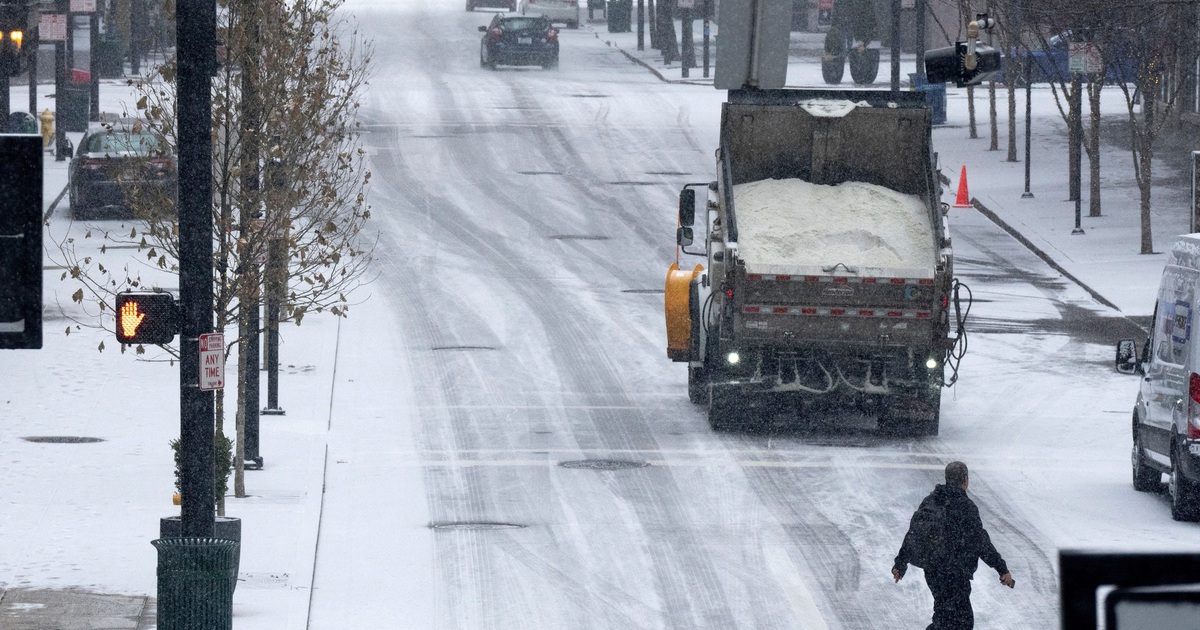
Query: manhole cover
point(578, 237)
point(603, 464)
point(476, 525)
point(61, 439)
point(463, 348)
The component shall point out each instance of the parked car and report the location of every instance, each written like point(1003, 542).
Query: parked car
point(519, 40)
point(114, 161)
point(1166, 415)
point(559, 11)
point(510, 5)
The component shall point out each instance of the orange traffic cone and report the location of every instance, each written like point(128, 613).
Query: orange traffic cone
point(963, 200)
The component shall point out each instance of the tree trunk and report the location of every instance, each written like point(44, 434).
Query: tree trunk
point(1144, 139)
point(218, 436)
point(995, 132)
point(1012, 122)
point(971, 111)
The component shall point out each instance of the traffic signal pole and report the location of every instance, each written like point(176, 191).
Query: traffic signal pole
point(196, 26)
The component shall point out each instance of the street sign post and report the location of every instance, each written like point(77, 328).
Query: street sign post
point(212, 361)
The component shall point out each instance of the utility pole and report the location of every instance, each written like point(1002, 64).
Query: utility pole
point(60, 87)
point(250, 277)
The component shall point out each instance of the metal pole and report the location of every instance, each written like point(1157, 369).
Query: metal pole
point(94, 34)
point(5, 92)
point(276, 271)
point(688, 52)
point(32, 52)
point(1028, 125)
point(196, 24)
point(251, 186)
point(641, 24)
point(60, 84)
point(920, 6)
point(1195, 182)
point(706, 43)
point(895, 36)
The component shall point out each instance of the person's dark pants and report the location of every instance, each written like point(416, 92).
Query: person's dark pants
point(951, 601)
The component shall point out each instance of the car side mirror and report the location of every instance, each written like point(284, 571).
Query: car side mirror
point(1127, 358)
point(684, 236)
point(482, 29)
point(687, 208)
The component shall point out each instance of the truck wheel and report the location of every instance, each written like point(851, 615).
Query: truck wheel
point(697, 385)
point(864, 65)
point(832, 69)
point(1145, 478)
point(724, 413)
point(915, 415)
point(1183, 491)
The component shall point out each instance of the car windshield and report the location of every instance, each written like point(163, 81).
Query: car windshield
point(141, 143)
point(522, 24)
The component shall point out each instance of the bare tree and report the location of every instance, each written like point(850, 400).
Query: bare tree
point(288, 167)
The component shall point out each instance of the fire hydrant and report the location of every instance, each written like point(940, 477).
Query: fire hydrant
point(47, 119)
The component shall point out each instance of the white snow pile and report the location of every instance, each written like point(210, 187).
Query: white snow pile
point(786, 224)
point(831, 108)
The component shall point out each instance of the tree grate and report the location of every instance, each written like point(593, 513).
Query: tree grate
point(603, 464)
point(61, 439)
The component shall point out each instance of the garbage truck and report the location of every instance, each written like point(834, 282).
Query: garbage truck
point(827, 276)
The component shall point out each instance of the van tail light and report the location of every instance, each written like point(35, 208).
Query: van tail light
point(1193, 424)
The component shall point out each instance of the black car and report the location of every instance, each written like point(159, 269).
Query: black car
point(118, 160)
point(519, 41)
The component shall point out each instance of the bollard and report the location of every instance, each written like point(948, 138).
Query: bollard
point(47, 118)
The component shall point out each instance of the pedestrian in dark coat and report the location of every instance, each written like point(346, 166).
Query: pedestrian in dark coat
point(968, 543)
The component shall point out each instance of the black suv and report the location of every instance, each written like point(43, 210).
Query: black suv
point(518, 41)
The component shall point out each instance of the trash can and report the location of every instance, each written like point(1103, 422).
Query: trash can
point(73, 107)
point(935, 96)
point(22, 122)
point(224, 527)
point(195, 583)
point(619, 13)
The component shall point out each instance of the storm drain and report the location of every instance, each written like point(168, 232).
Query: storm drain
point(264, 580)
point(539, 172)
point(633, 183)
point(61, 439)
point(642, 291)
point(589, 95)
point(671, 173)
point(467, 348)
point(603, 464)
point(474, 525)
point(578, 237)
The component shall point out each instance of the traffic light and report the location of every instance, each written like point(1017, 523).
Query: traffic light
point(950, 65)
point(21, 241)
point(146, 317)
point(14, 20)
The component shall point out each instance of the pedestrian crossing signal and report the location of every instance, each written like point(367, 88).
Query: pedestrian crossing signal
point(146, 317)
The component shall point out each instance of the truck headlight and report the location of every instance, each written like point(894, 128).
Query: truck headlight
point(733, 358)
point(931, 363)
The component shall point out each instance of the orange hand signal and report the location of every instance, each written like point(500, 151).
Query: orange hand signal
point(130, 319)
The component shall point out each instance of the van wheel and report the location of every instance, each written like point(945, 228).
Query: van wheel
point(1183, 491)
point(1145, 478)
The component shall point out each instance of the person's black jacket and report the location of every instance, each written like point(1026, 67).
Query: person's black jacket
point(968, 541)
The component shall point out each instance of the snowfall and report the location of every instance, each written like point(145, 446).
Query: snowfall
point(494, 436)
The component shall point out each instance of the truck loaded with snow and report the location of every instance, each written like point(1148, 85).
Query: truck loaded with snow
point(828, 282)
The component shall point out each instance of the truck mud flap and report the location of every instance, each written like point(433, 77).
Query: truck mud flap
point(917, 414)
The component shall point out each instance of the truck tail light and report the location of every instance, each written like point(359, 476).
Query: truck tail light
point(1193, 425)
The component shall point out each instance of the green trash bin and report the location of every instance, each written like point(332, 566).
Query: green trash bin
point(110, 57)
point(73, 107)
point(619, 14)
point(195, 583)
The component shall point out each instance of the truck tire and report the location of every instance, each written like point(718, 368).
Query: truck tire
point(1145, 478)
point(916, 415)
point(697, 385)
point(832, 69)
point(1184, 497)
point(724, 410)
point(864, 65)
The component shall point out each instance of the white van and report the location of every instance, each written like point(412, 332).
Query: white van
point(1166, 417)
point(563, 11)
